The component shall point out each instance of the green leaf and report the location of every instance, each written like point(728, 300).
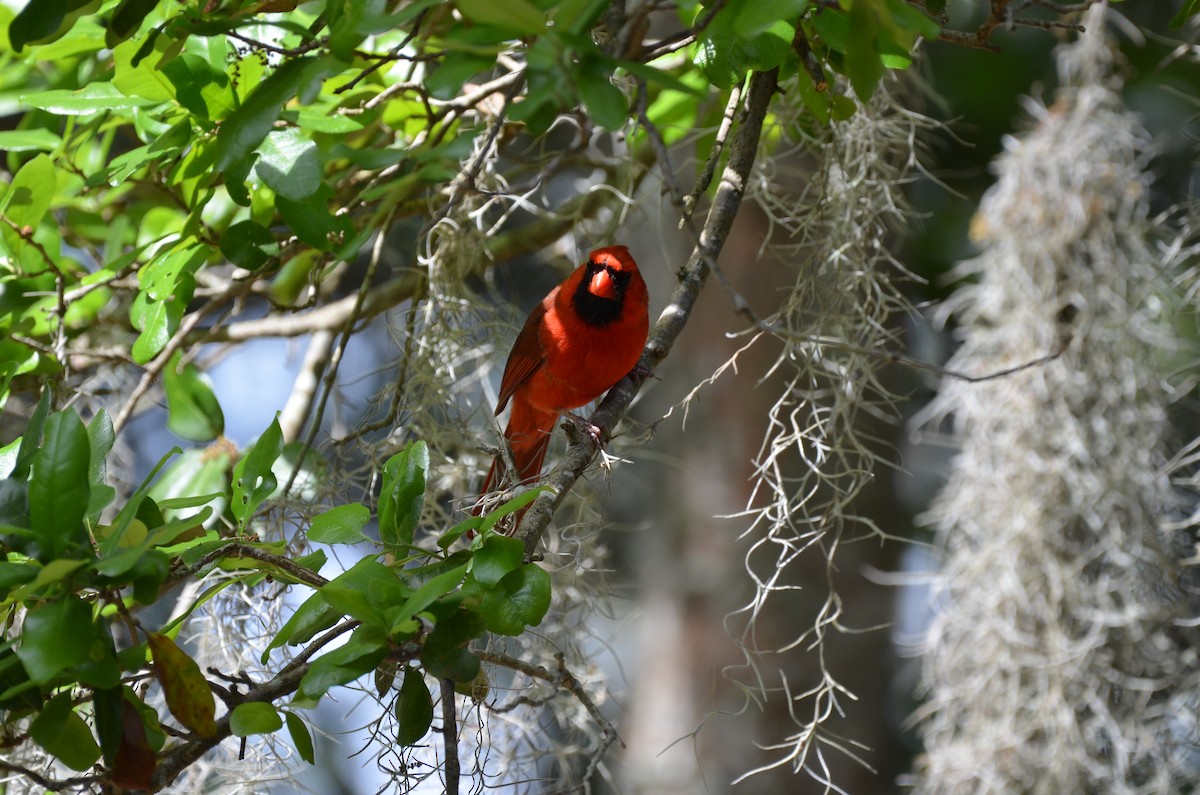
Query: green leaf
point(92, 98)
point(754, 18)
point(360, 655)
point(196, 82)
point(193, 412)
point(39, 19)
point(289, 163)
point(512, 506)
point(253, 480)
point(311, 220)
point(513, 16)
point(456, 68)
point(249, 245)
point(603, 100)
point(31, 440)
point(126, 19)
point(59, 729)
point(29, 140)
point(16, 574)
point(58, 487)
point(52, 572)
point(160, 278)
point(246, 127)
point(340, 525)
point(912, 22)
point(157, 321)
point(133, 509)
point(301, 738)
point(521, 598)
point(365, 591)
point(1189, 9)
point(444, 655)
point(497, 556)
point(55, 637)
point(402, 496)
point(414, 708)
point(401, 618)
point(351, 21)
point(313, 616)
point(863, 66)
point(29, 195)
point(137, 74)
point(254, 717)
point(101, 438)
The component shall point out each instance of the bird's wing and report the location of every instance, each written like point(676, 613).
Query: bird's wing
point(526, 358)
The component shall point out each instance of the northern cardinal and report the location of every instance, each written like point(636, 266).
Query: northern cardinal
point(585, 336)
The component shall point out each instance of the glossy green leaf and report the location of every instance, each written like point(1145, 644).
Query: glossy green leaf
point(92, 98)
point(31, 440)
point(444, 655)
point(863, 66)
point(365, 591)
point(64, 735)
point(39, 19)
point(55, 636)
point(402, 496)
point(515, 16)
point(340, 525)
point(754, 18)
point(312, 222)
point(16, 574)
point(157, 321)
point(253, 479)
point(58, 487)
point(126, 18)
point(199, 87)
point(245, 128)
point(313, 616)
point(521, 598)
point(414, 708)
point(137, 68)
point(249, 245)
point(254, 717)
point(360, 655)
point(160, 278)
point(301, 737)
point(455, 69)
point(193, 412)
point(1189, 9)
point(401, 618)
point(603, 100)
point(497, 556)
point(289, 163)
point(101, 438)
point(29, 140)
point(29, 196)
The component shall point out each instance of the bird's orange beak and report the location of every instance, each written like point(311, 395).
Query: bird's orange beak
point(603, 285)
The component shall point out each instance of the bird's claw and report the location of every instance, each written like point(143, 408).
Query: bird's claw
point(584, 428)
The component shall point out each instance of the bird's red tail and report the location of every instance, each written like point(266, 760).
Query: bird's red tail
point(528, 436)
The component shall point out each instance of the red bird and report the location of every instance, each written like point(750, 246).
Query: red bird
point(584, 337)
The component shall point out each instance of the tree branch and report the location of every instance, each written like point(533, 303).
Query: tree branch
point(742, 150)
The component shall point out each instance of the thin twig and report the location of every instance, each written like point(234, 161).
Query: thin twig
point(450, 737)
